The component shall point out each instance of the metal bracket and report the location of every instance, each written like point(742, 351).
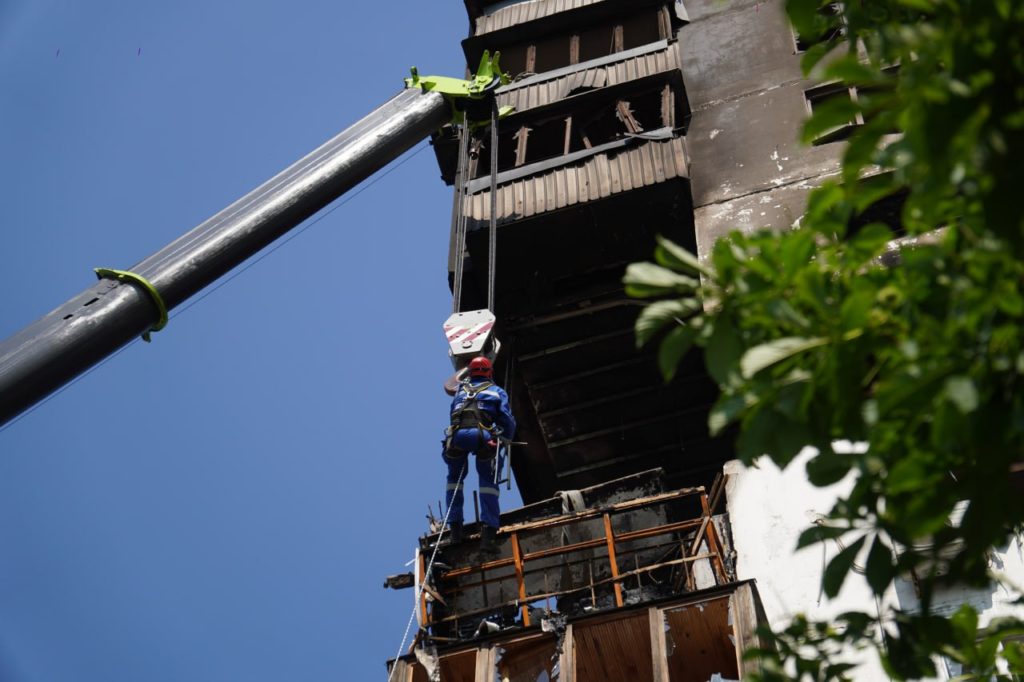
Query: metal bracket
point(489, 77)
point(147, 286)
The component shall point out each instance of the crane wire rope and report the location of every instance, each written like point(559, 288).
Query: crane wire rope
point(459, 216)
point(223, 282)
point(430, 566)
point(492, 237)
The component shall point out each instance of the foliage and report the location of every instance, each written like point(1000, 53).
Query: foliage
point(829, 331)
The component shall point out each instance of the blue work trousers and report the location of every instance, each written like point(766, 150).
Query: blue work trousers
point(488, 469)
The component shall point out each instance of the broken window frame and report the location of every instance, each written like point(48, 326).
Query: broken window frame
point(820, 93)
point(802, 45)
point(615, 546)
point(660, 95)
point(619, 40)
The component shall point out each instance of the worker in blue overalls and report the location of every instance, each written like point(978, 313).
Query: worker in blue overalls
point(480, 414)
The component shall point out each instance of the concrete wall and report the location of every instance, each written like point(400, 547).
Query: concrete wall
point(743, 78)
point(769, 508)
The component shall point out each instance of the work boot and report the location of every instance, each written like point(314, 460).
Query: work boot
point(455, 533)
point(488, 540)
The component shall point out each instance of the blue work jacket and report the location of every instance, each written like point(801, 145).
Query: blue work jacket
point(492, 400)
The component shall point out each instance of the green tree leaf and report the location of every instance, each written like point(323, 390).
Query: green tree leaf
point(880, 570)
point(839, 567)
point(646, 280)
point(767, 354)
point(658, 315)
point(673, 347)
point(671, 255)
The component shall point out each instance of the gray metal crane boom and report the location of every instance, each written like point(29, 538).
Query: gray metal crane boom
point(124, 304)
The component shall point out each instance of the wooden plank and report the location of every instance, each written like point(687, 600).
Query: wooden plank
point(669, 161)
point(716, 561)
point(664, 24)
point(574, 48)
point(659, 650)
point(517, 558)
point(636, 167)
point(618, 39)
point(609, 183)
point(593, 180)
point(400, 672)
point(521, 137)
point(561, 193)
point(486, 661)
point(620, 163)
point(647, 164)
point(572, 185)
point(424, 615)
point(666, 111)
point(517, 189)
point(551, 191)
point(568, 135)
point(625, 114)
point(612, 562)
point(745, 622)
point(567, 661)
point(508, 203)
point(679, 156)
point(529, 197)
point(531, 59)
point(659, 167)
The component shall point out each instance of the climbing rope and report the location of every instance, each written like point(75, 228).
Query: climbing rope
point(430, 566)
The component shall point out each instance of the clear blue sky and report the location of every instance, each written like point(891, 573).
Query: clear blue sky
point(224, 503)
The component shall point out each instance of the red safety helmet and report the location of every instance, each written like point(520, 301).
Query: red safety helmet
point(481, 367)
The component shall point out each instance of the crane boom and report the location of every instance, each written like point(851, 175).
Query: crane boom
point(124, 304)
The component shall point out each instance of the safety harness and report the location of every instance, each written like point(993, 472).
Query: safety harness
point(471, 416)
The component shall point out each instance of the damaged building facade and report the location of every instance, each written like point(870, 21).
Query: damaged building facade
point(643, 551)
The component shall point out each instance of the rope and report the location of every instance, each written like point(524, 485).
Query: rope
point(459, 216)
point(492, 242)
point(426, 572)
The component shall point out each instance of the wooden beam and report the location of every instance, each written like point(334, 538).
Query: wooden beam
point(716, 560)
point(574, 49)
point(592, 513)
point(568, 142)
point(485, 664)
point(401, 672)
point(612, 562)
point(567, 661)
point(659, 650)
point(664, 24)
point(667, 107)
point(745, 622)
point(531, 59)
point(521, 137)
point(627, 118)
point(618, 39)
point(517, 558)
point(424, 615)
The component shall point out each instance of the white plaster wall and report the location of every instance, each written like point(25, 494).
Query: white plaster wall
point(769, 508)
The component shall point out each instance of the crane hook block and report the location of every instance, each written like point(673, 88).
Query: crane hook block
point(470, 334)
